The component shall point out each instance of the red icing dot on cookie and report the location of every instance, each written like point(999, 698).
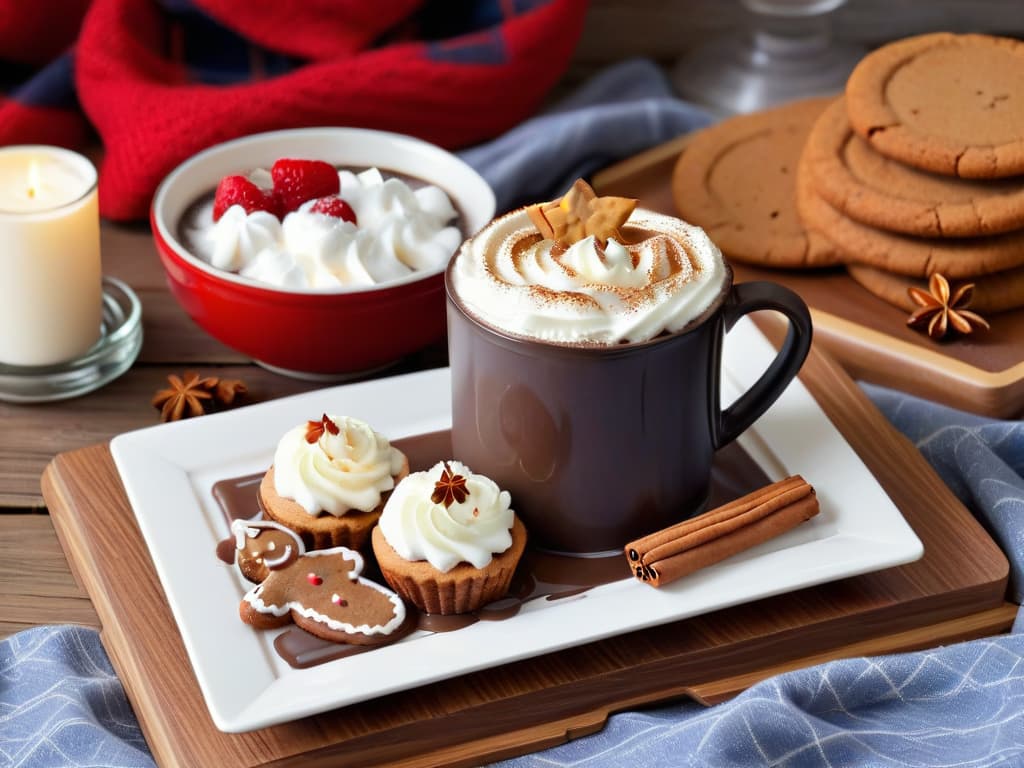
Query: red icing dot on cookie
point(313, 579)
point(337, 600)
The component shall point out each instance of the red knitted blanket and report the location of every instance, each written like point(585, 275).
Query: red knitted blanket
point(159, 81)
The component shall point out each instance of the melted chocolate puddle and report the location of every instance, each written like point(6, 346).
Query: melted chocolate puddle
point(540, 576)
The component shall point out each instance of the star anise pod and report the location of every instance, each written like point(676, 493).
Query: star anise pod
point(450, 488)
point(228, 391)
point(193, 395)
point(315, 429)
point(186, 396)
point(939, 310)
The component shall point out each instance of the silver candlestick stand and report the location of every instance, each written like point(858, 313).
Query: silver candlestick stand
point(785, 51)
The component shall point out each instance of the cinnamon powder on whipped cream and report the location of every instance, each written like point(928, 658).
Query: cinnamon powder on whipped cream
point(660, 275)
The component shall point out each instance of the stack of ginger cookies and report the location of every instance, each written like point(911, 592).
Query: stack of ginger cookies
point(913, 179)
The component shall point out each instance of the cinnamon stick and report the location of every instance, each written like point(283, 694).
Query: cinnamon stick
point(671, 553)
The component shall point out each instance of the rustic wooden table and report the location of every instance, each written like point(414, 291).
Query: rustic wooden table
point(36, 586)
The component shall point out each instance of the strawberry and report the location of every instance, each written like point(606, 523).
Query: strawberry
point(332, 205)
point(296, 181)
point(238, 190)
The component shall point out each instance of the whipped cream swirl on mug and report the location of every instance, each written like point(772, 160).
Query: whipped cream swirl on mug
point(350, 470)
point(399, 230)
point(472, 530)
point(662, 275)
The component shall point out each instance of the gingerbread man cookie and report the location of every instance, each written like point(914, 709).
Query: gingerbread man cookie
point(321, 591)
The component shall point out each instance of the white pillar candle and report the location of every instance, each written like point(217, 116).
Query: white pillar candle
point(50, 275)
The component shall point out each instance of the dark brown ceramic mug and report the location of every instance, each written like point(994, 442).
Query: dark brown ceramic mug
point(601, 444)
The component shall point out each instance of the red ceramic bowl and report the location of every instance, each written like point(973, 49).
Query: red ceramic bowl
point(314, 332)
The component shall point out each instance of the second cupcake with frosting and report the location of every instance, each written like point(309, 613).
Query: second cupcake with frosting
point(448, 540)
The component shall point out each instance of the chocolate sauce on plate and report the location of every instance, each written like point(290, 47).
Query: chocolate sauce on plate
point(540, 576)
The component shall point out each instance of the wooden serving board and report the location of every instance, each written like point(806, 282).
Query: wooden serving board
point(955, 592)
point(983, 374)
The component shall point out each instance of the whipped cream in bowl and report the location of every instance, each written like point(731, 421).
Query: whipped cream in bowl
point(403, 226)
point(659, 276)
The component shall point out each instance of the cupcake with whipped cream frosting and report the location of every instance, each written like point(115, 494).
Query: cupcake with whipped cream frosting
point(448, 541)
point(330, 480)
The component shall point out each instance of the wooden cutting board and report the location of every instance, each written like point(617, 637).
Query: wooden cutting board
point(955, 592)
point(983, 373)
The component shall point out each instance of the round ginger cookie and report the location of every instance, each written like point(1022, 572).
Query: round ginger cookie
point(998, 292)
point(737, 180)
point(876, 190)
point(952, 104)
point(858, 243)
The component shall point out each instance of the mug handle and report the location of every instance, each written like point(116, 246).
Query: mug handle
point(751, 297)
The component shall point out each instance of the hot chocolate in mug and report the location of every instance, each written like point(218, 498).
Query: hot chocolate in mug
point(585, 378)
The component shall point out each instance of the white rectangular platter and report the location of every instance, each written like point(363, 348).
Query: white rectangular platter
point(168, 472)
